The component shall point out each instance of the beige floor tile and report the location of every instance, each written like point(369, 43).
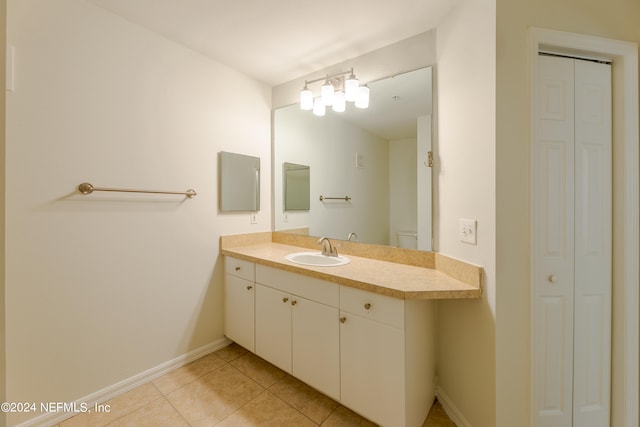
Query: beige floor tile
point(158, 413)
point(438, 418)
point(211, 390)
point(215, 396)
point(231, 352)
point(266, 410)
point(259, 370)
point(305, 399)
point(344, 417)
point(119, 406)
point(184, 375)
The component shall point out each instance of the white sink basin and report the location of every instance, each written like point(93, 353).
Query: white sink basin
point(316, 259)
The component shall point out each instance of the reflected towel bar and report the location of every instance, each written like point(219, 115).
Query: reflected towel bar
point(345, 198)
point(86, 188)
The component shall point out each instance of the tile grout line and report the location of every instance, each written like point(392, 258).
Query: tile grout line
point(291, 406)
point(136, 409)
point(165, 395)
point(177, 411)
point(264, 390)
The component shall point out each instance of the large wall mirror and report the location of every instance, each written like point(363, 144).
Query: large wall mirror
point(371, 166)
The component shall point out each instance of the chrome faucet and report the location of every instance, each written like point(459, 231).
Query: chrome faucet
point(327, 248)
point(352, 235)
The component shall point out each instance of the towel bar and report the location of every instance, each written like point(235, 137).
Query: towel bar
point(86, 188)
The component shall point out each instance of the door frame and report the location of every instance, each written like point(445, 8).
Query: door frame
point(625, 54)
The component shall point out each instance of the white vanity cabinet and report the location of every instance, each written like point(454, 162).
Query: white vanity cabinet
point(239, 308)
point(373, 353)
point(387, 356)
point(297, 327)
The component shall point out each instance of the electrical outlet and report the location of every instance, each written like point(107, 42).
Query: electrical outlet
point(254, 217)
point(467, 231)
point(359, 160)
point(285, 217)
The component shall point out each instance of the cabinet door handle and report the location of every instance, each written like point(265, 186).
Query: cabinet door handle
point(237, 268)
point(343, 319)
point(294, 302)
point(367, 306)
point(285, 299)
point(249, 287)
point(552, 278)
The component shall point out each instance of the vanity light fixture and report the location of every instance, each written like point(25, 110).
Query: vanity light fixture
point(319, 108)
point(351, 86)
point(306, 98)
point(337, 90)
point(339, 102)
point(362, 99)
point(327, 92)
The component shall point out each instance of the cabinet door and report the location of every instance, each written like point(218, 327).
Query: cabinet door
point(372, 369)
point(273, 326)
point(239, 324)
point(316, 345)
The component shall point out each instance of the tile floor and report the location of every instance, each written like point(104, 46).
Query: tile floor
point(230, 387)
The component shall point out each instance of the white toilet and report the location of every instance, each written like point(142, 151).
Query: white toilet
point(407, 239)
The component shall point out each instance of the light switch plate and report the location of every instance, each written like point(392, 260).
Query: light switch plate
point(467, 231)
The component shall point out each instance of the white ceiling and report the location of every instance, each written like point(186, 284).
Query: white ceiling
point(394, 106)
point(276, 41)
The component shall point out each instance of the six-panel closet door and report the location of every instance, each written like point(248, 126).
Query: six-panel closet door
point(571, 244)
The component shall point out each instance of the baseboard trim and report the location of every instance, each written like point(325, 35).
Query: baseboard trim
point(450, 408)
point(130, 383)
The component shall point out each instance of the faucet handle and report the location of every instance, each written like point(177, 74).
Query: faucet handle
point(327, 248)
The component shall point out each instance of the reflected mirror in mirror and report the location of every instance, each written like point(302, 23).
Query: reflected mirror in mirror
point(296, 187)
point(239, 182)
point(376, 156)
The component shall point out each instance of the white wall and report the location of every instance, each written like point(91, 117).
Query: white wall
point(424, 176)
point(618, 20)
point(406, 55)
point(403, 187)
point(329, 145)
point(3, 44)
point(102, 287)
point(465, 183)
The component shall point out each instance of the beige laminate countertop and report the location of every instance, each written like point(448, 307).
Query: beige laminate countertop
point(388, 278)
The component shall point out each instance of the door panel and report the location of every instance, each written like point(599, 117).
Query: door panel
point(552, 240)
point(571, 244)
point(551, 340)
point(239, 311)
point(592, 340)
point(372, 379)
point(273, 326)
point(316, 346)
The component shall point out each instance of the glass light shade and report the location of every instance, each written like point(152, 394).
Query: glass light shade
point(327, 93)
point(339, 102)
point(306, 99)
point(351, 86)
point(362, 101)
point(319, 109)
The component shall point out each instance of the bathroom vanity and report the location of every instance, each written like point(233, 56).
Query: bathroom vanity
point(361, 333)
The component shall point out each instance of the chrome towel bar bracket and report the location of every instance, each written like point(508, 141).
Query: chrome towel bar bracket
point(86, 188)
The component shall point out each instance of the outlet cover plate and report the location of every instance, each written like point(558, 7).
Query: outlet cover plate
point(467, 231)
